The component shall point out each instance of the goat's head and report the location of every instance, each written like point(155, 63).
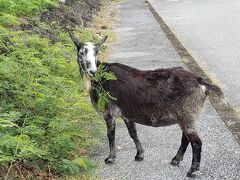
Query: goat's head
point(87, 54)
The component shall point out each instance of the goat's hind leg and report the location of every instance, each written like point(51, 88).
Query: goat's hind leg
point(111, 124)
point(133, 133)
point(189, 134)
point(182, 149)
point(196, 144)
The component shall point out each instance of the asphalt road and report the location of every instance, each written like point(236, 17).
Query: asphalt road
point(211, 28)
point(144, 45)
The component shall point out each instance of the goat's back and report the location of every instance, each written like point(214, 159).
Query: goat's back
point(144, 94)
point(168, 83)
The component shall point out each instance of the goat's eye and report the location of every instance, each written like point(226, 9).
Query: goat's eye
point(82, 53)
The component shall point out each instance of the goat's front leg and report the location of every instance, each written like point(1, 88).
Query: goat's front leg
point(182, 149)
point(133, 133)
point(111, 124)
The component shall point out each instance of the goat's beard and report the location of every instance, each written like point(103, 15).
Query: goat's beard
point(86, 78)
point(87, 82)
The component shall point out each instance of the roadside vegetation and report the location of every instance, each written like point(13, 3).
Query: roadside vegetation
point(47, 127)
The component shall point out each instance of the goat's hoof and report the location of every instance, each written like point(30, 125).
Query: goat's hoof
point(175, 162)
point(139, 157)
point(190, 175)
point(195, 167)
point(109, 160)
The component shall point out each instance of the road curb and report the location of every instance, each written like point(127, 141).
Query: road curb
point(226, 111)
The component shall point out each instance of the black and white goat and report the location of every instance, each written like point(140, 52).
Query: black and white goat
point(156, 98)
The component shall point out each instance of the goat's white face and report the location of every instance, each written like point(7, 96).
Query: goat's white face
point(87, 54)
point(87, 58)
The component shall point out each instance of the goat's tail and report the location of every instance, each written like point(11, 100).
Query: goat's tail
point(212, 87)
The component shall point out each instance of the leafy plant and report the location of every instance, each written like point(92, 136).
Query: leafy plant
point(104, 96)
point(8, 19)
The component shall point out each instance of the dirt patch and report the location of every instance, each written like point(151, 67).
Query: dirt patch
point(72, 13)
point(67, 15)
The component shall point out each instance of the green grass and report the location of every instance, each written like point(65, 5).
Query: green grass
point(45, 119)
point(25, 7)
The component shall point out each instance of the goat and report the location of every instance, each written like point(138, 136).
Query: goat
point(156, 98)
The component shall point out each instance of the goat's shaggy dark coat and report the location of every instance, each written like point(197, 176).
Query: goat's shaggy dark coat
point(156, 98)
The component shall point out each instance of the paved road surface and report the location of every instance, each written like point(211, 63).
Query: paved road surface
point(211, 28)
point(143, 44)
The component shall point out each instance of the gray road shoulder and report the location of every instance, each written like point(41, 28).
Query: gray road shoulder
point(143, 44)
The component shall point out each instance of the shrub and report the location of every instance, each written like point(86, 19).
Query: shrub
point(44, 118)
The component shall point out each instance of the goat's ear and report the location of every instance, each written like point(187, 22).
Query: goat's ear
point(75, 40)
point(99, 43)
